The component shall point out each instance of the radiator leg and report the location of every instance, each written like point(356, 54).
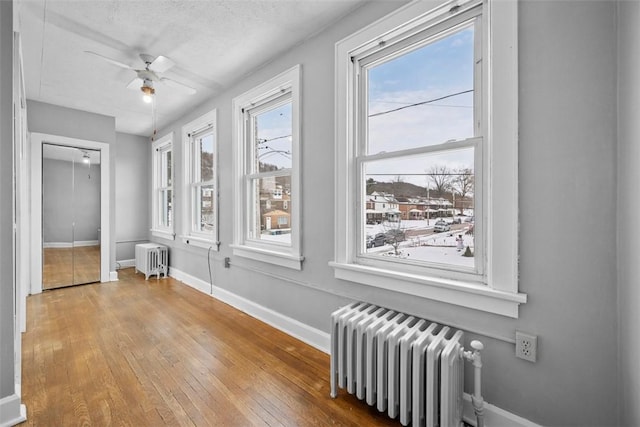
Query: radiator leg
point(333, 365)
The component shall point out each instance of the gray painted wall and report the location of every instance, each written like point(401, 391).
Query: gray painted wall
point(567, 222)
point(70, 193)
point(56, 120)
point(628, 210)
point(6, 210)
point(567, 246)
point(133, 173)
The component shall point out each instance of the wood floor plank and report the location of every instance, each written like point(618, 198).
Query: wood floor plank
point(156, 352)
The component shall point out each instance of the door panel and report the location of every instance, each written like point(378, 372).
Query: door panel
point(70, 216)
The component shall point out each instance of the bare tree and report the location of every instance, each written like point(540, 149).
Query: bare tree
point(441, 177)
point(464, 184)
point(394, 235)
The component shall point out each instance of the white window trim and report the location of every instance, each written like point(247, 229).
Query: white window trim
point(499, 294)
point(290, 256)
point(157, 230)
point(190, 237)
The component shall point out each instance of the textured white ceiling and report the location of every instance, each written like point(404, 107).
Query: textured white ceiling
point(213, 43)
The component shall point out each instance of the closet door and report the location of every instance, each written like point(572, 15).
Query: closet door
point(70, 216)
point(86, 217)
point(57, 214)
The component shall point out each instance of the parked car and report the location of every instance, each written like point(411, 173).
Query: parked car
point(379, 240)
point(441, 226)
point(469, 219)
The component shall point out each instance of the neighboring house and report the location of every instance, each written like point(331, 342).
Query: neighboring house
point(275, 198)
point(276, 220)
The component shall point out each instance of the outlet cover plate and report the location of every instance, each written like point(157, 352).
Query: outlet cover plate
point(526, 346)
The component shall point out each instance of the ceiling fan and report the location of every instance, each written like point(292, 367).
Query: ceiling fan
point(150, 74)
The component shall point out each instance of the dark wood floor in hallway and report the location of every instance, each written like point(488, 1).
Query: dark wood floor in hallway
point(157, 352)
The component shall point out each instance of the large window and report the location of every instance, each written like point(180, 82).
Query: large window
point(421, 155)
point(267, 167)
point(162, 211)
point(200, 157)
point(417, 142)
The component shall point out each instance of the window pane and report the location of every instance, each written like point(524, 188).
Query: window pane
point(205, 203)
point(273, 130)
point(271, 220)
point(206, 157)
point(166, 214)
point(423, 97)
point(165, 168)
point(421, 208)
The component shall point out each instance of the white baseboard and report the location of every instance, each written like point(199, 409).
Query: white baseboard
point(70, 245)
point(314, 337)
point(126, 263)
point(493, 416)
point(113, 276)
point(12, 411)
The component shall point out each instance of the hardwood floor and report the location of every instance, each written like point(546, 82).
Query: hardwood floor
point(157, 352)
point(68, 266)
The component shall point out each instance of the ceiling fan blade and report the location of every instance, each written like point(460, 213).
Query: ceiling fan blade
point(175, 84)
point(113, 61)
point(161, 64)
point(135, 84)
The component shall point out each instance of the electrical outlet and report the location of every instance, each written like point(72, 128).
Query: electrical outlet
point(227, 262)
point(526, 346)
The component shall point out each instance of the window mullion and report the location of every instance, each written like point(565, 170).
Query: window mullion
point(270, 174)
point(447, 146)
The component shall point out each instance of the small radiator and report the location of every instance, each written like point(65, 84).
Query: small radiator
point(409, 367)
point(152, 259)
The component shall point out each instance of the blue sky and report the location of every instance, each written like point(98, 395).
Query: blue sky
point(438, 69)
point(274, 126)
point(441, 68)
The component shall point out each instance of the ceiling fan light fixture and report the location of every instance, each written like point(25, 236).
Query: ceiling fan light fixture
point(148, 92)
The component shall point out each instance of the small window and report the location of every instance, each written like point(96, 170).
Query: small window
point(162, 198)
point(200, 159)
point(267, 225)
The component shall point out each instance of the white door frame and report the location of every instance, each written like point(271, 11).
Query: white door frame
point(37, 139)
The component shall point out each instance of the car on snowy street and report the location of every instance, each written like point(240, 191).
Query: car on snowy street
point(441, 226)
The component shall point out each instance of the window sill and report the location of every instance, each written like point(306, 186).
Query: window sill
point(163, 234)
point(200, 242)
point(293, 262)
point(465, 294)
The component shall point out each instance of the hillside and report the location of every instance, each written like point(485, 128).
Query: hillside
point(402, 189)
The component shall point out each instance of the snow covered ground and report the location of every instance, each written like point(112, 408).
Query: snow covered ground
point(424, 245)
point(427, 246)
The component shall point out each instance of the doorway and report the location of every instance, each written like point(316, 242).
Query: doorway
point(70, 216)
point(81, 235)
